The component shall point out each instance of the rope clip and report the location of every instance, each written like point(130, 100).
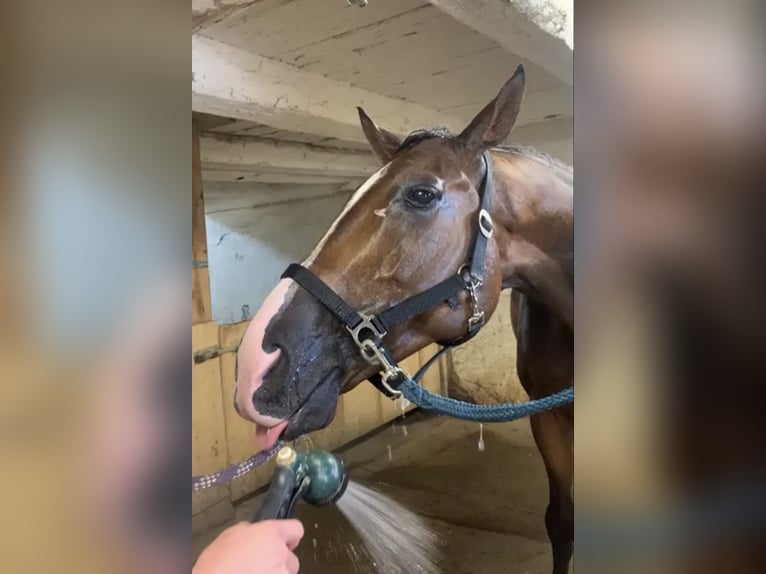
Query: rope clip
point(390, 372)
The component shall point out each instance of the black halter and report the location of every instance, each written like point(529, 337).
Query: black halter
point(368, 331)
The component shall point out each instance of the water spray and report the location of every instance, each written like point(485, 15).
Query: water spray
point(318, 477)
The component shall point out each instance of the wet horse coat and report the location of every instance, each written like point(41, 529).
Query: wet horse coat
point(408, 227)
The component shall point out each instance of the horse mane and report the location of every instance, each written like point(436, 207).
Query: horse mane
point(533, 153)
point(562, 169)
point(564, 172)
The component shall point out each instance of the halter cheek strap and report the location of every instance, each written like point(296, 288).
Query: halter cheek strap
point(368, 331)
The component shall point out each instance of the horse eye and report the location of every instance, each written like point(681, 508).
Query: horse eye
point(420, 197)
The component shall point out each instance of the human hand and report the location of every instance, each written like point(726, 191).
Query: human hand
point(261, 548)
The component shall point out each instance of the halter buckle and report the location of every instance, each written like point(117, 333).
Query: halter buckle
point(471, 281)
point(485, 223)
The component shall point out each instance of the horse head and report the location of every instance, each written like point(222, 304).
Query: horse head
point(408, 227)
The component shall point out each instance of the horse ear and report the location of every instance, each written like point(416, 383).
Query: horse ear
point(493, 124)
point(382, 142)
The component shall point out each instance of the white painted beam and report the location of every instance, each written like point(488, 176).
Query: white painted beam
point(536, 30)
point(539, 106)
point(252, 154)
point(263, 176)
point(205, 12)
point(230, 82)
point(221, 197)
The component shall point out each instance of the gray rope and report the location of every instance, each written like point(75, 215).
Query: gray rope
point(234, 471)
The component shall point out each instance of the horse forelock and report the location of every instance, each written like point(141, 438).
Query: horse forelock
point(417, 136)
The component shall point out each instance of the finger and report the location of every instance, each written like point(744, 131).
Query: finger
point(292, 532)
point(292, 563)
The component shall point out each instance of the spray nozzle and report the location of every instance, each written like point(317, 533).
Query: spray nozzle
point(318, 477)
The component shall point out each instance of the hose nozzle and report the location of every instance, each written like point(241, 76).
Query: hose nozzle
point(318, 477)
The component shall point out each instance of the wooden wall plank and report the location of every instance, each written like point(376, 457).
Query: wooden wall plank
point(200, 296)
point(334, 435)
point(432, 380)
point(200, 277)
point(240, 432)
point(209, 450)
point(361, 410)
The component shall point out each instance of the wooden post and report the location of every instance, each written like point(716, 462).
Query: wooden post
point(200, 273)
point(209, 442)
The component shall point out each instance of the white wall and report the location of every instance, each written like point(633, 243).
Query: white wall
point(254, 234)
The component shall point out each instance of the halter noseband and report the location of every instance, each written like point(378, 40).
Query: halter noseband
point(368, 331)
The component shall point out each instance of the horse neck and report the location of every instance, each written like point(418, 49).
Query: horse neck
point(534, 200)
point(533, 209)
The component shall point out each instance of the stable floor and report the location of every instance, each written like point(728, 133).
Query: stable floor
point(486, 506)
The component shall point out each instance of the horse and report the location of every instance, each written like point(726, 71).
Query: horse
point(409, 226)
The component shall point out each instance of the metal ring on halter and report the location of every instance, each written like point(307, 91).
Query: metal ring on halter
point(471, 281)
point(485, 223)
point(366, 324)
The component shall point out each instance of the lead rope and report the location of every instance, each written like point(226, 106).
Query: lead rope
point(505, 412)
point(204, 481)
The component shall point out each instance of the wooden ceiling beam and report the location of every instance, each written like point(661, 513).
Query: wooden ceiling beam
point(234, 83)
point(253, 154)
point(536, 30)
point(208, 12)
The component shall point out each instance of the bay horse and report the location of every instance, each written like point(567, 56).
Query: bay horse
point(409, 226)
